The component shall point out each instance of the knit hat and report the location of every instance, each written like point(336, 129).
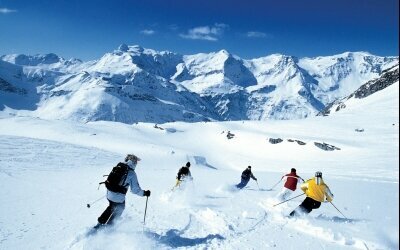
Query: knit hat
point(318, 174)
point(188, 164)
point(293, 170)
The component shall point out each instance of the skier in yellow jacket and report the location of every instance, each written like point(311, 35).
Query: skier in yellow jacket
point(316, 191)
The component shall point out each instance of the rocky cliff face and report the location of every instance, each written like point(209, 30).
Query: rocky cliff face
point(386, 79)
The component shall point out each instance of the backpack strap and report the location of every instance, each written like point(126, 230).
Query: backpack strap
point(126, 175)
point(122, 164)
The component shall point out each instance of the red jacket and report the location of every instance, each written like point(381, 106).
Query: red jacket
point(291, 181)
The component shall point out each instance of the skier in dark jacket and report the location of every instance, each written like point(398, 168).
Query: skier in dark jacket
point(183, 175)
point(116, 199)
point(246, 175)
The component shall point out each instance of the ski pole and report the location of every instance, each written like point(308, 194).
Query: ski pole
point(177, 184)
point(258, 185)
point(275, 184)
point(338, 210)
point(89, 204)
point(288, 200)
point(145, 210)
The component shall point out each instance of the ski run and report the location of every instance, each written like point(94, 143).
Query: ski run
point(50, 170)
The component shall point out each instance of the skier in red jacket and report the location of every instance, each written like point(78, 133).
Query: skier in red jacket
point(290, 185)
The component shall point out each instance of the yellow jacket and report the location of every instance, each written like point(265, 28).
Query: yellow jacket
point(317, 191)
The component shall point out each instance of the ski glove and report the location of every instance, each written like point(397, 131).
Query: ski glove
point(146, 193)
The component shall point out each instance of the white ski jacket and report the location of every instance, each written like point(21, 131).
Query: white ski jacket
point(131, 181)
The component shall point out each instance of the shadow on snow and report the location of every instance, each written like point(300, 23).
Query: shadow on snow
point(338, 219)
point(173, 238)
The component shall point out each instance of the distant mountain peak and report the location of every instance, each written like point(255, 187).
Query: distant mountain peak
point(32, 60)
point(133, 83)
point(223, 51)
point(123, 47)
point(136, 48)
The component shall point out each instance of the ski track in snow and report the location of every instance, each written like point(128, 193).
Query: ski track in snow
point(202, 224)
point(55, 180)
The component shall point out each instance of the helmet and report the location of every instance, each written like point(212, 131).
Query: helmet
point(188, 164)
point(318, 174)
point(132, 157)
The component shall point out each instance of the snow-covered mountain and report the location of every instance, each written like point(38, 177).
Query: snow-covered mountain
point(388, 77)
point(134, 84)
point(50, 170)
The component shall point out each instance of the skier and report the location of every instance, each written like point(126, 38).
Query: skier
point(183, 175)
point(290, 184)
point(245, 178)
point(316, 191)
point(116, 197)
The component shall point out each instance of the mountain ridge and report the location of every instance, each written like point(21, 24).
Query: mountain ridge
point(388, 77)
point(134, 84)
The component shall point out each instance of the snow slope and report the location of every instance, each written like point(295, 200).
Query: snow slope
point(50, 169)
point(388, 77)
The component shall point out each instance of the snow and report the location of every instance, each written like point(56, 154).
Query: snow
point(139, 85)
point(50, 170)
point(213, 73)
point(341, 74)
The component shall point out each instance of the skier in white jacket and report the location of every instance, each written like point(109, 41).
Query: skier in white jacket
point(117, 199)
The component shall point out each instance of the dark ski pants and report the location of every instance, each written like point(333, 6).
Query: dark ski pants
point(113, 211)
point(307, 206)
point(243, 183)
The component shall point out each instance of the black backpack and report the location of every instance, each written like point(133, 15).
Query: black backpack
point(117, 178)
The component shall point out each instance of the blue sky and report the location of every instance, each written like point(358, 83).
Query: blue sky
point(247, 28)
